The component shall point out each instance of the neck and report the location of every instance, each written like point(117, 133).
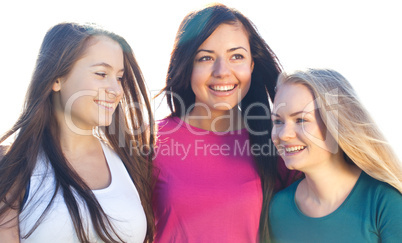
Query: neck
point(74, 140)
point(326, 188)
point(215, 120)
point(72, 143)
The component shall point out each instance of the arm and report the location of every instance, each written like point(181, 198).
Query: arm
point(9, 230)
point(390, 217)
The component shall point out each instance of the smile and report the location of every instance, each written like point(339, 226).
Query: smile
point(294, 149)
point(105, 104)
point(223, 88)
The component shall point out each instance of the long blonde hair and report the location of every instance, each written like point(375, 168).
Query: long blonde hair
point(349, 123)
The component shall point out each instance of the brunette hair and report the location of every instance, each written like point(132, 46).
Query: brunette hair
point(37, 130)
point(195, 28)
point(349, 123)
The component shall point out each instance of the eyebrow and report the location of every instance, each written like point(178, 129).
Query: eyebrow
point(293, 114)
point(230, 50)
point(236, 48)
point(104, 64)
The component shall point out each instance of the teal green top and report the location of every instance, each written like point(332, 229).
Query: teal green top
point(372, 212)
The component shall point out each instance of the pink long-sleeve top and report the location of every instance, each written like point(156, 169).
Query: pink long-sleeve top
point(208, 188)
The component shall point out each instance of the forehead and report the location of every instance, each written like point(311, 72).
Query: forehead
point(228, 34)
point(293, 98)
point(102, 46)
point(101, 49)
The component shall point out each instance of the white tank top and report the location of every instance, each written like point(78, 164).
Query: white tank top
point(120, 201)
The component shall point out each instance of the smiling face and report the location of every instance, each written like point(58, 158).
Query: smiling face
point(90, 93)
point(299, 132)
point(222, 68)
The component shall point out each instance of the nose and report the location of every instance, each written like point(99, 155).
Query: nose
point(221, 68)
point(286, 132)
point(115, 88)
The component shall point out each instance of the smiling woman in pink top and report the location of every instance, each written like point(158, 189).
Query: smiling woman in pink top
point(214, 163)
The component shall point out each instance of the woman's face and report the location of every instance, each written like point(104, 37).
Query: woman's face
point(90, 93)
point(298, 132)
point(222, 68)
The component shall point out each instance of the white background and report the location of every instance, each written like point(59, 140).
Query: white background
point(362, 39)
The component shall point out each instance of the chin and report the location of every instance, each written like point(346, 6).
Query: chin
point(105, 122)
point(225, 106)
point(292, 165)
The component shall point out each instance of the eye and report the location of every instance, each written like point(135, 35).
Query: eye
point(301, 120)
point(120, 79)
point(205, 58)
point(277, 122)
point(101, 74)
point(237, 57)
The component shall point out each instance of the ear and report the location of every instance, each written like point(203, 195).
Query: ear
point(57, 85)
point(252, 66)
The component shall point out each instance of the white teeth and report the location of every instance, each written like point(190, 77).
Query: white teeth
point(222, 88)
point(105, 104)
point(294, 149)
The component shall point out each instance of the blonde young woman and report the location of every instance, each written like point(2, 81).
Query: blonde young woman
point(353, 180)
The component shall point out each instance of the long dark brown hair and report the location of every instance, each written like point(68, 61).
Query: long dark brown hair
point(195, 28)
point(37, 130)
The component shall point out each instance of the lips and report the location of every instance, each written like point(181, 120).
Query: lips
point(223, 87)
point(105, 104)
point(290, 150)
point(294, 149)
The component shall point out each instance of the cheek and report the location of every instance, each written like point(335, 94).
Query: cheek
point(310, 129)
point(118, 99)
point(121, 92)
point(67, 98)
point(313, 131)
point(200, 73)
point(318, 139)
point(322, 130)
point(243, 74)
point(198, 81)
point(275, 140)
point(274, 135)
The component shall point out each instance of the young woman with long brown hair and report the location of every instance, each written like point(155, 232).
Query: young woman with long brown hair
point(71, 173)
